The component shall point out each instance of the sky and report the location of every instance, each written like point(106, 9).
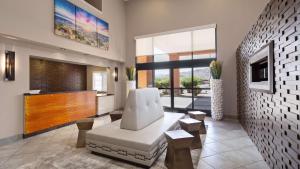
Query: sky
point(86, 20)
point(66, 9)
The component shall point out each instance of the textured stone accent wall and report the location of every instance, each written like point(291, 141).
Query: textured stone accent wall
point(272, 120)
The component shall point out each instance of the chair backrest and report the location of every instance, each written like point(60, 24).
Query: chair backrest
point(142, 108)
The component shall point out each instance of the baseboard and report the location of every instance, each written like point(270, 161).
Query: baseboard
point(231, 116)
point(11, 139)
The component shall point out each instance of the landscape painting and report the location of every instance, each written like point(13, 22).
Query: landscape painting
point(64, 19)
point(102, 34)
point(75, 23)
point(86, 27)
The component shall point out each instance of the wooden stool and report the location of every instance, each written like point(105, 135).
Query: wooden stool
point(115, 115)
point(199, 115)
point(178, 151)
point(83, 125)
point(193, 127)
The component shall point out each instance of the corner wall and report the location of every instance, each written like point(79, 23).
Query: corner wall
point(233, 18)
point(273, 120)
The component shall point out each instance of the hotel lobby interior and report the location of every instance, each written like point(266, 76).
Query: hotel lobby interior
point(160, 84)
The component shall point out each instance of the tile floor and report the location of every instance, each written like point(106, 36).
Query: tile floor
point(225, 146)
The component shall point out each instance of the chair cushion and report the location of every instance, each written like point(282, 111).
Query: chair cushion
point(144, 140)
point(142, 108)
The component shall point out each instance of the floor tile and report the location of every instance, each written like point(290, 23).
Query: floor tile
point(253, 152)
point(260, 165)
point(7, 152)
point(239, 158)
point(203, 165)
point(225, 146)
point(218, 147)
point(238, 143)
point(19, 161)
point(205, 152)
point(219, 162)
point(3, 160)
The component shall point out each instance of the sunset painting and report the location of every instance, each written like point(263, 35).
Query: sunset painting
point(75, 23)
point(64, 19)
point(102, 34)
point(86, 27)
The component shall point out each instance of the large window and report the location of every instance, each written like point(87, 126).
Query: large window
point(100, 81)
point(183, 45)
point(177, 63)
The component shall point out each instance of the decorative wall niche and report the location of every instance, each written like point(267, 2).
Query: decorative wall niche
point(95, 3)
point(261, 69)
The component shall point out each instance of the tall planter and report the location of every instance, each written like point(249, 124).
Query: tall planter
point(216, 86)
point(130, 85)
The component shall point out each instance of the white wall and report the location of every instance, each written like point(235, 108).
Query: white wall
point(233, 18)
point(34, 20)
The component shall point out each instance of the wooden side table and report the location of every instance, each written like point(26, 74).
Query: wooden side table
point(83, 125)
point(199, 115)
point(178, 151)
point(193, 127)
point(115, 115)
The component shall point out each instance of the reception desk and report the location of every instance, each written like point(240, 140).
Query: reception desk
point(43, 112)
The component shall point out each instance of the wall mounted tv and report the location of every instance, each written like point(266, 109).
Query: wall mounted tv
point(261, 69)
point(75, 23)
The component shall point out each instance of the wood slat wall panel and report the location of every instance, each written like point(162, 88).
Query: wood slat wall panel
point(52, 76)
point(273, 120)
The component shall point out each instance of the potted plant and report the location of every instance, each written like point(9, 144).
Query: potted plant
point(216, 86)
point(131, 83)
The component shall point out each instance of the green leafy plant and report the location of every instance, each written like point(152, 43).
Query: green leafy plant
point(162, 82)
point(186, 82)
point(130, 73)
point(216, 69)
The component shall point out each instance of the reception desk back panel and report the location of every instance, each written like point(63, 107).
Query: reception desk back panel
point(46, 111)
point(52, 76)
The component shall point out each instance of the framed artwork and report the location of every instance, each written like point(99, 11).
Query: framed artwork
point(64, 19)
point(75, 23)
point(102, 34)
point(86, 27)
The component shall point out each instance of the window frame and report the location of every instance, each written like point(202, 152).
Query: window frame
point(203, 62)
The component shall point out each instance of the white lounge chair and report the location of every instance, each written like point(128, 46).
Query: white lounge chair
point(139, 136)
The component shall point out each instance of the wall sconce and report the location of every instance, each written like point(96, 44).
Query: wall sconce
point(116, 74)
point(9, 66)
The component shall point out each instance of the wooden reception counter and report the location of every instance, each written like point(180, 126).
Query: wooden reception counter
point(47, 111)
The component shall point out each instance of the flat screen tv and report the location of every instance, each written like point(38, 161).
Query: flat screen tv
point(261, 69)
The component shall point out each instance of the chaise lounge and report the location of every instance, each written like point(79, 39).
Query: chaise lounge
point(139, 136)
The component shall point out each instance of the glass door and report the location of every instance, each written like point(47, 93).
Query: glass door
point(182, 88)
point(162, 82)
point(201, 89)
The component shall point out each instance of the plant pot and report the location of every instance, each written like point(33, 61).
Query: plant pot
point(131, 85)
point(216, 86)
